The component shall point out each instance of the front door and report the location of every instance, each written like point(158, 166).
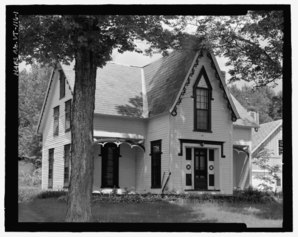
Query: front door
point(200, 169)
point(110, 166)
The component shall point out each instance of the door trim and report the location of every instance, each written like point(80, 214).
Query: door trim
point(116, 155)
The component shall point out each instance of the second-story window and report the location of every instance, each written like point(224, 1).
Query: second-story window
point(56, 121)
point(202, 103)
point(67, 115)
point(62, 85)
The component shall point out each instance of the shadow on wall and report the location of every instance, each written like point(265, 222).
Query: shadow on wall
point(133, 109)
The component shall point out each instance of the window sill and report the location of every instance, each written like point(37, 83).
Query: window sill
point(156, 187)
point(198, 130)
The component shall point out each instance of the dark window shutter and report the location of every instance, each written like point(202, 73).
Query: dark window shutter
point(188, 153)
point(156, 164)
point(211, 179)
point(211, 155)
point(188, 180)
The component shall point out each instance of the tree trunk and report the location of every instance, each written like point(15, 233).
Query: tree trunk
point(81, 181)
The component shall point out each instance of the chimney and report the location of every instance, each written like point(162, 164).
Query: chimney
point(255, 116)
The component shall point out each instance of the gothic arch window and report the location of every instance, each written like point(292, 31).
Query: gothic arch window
point(202, 92)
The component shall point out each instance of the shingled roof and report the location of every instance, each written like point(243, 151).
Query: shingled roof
point(245, 118)
point(125, 90)
point(264, 132)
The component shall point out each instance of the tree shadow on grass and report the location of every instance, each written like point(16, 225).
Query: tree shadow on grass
point(272, 211)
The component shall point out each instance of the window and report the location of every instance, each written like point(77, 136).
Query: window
point(62, 84)
point(51, 162)
point(56, 121)
point(156, 164)
point(67, 115)
point(280, 147)
point(66, 165)
point(202, 103)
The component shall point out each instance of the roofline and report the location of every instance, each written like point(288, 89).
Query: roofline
point(220, 76)
point(246, 126)
point(224, 85)
point(45, 100)
point(261, 143)
point(184, 82)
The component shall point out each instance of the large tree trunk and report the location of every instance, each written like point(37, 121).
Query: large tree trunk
point(81, 181)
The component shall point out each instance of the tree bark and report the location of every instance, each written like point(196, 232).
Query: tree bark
point(81, 181)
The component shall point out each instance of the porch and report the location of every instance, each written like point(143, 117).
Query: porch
point(117, 164)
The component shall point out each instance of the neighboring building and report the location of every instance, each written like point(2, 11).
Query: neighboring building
point(173, 119)
point(269, 136)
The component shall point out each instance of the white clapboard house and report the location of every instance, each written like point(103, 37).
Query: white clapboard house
point(269, 137)
point(170, 125)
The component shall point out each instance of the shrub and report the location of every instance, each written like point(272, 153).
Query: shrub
point(52, 194)
point(30, 179)
point(27, 194)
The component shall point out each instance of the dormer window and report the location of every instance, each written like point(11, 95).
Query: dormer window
point(202, 92)
point(62, 85)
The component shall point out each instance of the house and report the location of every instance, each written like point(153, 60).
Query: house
point(170, 125)
point(269, 137)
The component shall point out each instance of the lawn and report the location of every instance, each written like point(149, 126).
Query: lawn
point(254, 215)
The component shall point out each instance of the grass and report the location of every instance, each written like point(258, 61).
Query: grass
point(180, 211)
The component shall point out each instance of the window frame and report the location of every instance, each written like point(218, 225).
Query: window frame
point(156, 159)
point(209, 98)
point(56, 121)
point(67, 115)
point(67, 157)
point(280, 151)
point(51, 168)
point(61, 85)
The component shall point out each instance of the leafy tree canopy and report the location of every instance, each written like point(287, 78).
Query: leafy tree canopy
point(48, 38)
point(32, 87)
point(253, 43)
point(263, 100)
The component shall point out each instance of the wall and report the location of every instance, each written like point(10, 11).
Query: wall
point(57, 142)
point(182, 126)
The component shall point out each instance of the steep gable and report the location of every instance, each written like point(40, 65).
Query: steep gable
point(264, 132)
point(164, 79)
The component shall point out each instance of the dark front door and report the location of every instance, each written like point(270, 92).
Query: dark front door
point(110, 166)
point(200, 169)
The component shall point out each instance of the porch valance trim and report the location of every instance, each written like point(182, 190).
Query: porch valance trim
point(239, 148)
point(118, 141)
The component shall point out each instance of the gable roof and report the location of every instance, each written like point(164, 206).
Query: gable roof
point(164, 79)
point(264, 132)
point(134, 91)
point(245, 119)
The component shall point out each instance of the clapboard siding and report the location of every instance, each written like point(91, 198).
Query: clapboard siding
point(158, 129)
point(182, 126)
point(56, 142)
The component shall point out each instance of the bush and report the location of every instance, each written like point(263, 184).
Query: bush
point(52, 194)
point(27, 194)
point(30, 179)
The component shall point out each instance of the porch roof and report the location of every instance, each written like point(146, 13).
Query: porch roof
point(118, 141)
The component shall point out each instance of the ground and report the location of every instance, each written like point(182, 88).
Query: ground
point(253, 215)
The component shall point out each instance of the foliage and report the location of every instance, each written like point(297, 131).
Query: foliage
point(263, 100)
point(52, 194)
point(32, 88)
point(30, 179)
point(275, 108)
point(262, 160)
point(253, 43)
point(27, 194)
point(89, 39)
